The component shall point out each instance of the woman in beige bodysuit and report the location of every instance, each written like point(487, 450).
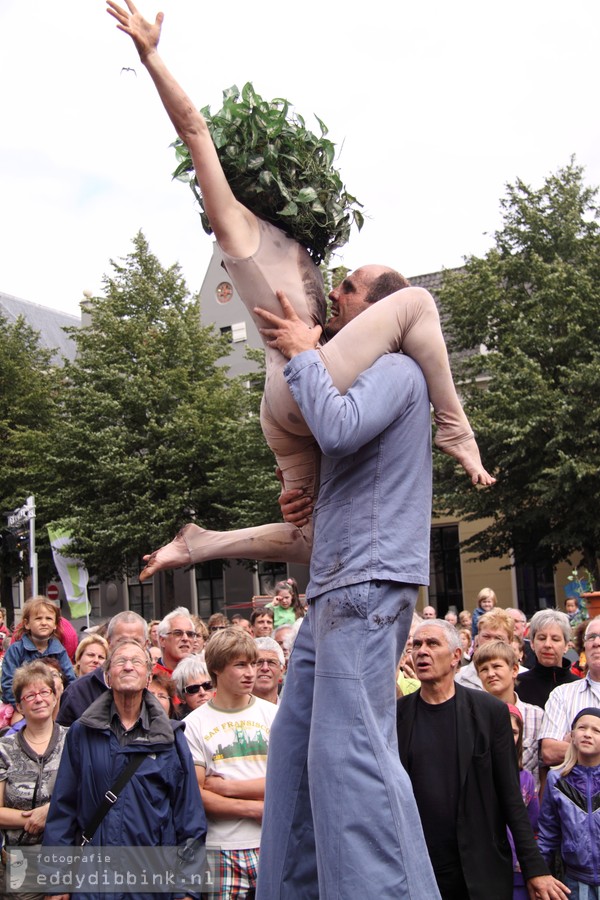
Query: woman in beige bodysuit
point(261, 260)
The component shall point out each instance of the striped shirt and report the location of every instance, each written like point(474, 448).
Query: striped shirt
point(564, 703)
point(532, 720)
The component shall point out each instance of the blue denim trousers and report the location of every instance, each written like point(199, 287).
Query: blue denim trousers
point(340, 817)
point(580, 890)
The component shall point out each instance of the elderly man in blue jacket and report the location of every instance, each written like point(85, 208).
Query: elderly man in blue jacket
point(160, 804)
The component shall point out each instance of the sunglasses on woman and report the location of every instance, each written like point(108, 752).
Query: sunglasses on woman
point(194, 688)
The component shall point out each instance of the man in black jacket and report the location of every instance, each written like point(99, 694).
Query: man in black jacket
point(457, 747)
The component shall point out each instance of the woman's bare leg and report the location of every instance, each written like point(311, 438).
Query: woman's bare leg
point(409, 321)
point(271, 543)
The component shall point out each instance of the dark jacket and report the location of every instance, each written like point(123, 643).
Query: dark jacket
point(536, 685)
point(79, 695)
point(159, 806)
point(490, 795)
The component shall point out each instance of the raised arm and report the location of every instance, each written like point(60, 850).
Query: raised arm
point(235, 227)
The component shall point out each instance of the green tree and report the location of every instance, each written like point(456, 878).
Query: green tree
point(243, 485)
point(532, 305)
point(150, 420)
point(27, 415)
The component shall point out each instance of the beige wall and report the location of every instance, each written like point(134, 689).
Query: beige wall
point(490, 573)
point(476, 575)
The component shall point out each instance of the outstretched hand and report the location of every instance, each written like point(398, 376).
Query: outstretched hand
point(145, 35)
point(290, 335)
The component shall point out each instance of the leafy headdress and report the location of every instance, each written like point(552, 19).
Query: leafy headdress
point(278, 169)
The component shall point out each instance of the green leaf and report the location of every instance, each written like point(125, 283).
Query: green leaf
point(255, 162)
point(306, 195)
point(290, 209)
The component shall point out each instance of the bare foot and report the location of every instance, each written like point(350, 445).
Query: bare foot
point(467, 454)
point(173, 555)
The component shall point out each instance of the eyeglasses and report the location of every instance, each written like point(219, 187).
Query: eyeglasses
point(194, 688)
point(178, 633)
point(135, 661)
point(44, 694)
point(591, 636)
point(217, 627)
point(272, 663)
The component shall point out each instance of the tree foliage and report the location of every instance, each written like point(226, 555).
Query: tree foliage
point(532, 305)
point(28, 385)
point(153, 430)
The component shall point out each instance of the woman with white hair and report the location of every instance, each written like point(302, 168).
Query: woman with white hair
point(193, 683)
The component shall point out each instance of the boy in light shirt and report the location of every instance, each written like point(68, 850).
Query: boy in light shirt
point(228, 738)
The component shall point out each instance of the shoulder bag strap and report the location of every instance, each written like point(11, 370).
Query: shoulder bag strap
point(111, 797)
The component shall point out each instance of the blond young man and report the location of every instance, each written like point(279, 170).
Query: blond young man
point(229, 738)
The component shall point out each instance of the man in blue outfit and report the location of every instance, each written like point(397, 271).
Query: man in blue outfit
point(340, 817)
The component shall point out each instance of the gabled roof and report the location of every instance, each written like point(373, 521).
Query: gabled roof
point(49, 324)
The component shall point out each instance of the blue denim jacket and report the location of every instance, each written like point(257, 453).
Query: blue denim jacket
point(373, 514)
point(24, 651)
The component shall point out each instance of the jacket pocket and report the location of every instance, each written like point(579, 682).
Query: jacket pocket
point(332, 543)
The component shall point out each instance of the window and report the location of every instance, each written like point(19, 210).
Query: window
point(235, 333)
point(224, 292)
point(141, 600)
point(269, 574)
point(445, 580)
point(210, 588)
point(535, 584)
point(94, 598)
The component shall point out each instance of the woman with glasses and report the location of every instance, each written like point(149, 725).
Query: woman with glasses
point(29, 758)
point(193, 683)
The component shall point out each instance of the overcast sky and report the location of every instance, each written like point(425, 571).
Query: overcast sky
point(434, 106)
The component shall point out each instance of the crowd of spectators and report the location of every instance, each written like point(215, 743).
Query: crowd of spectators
point(224, 678)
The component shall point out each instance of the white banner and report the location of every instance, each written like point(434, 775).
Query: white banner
point(72, 572)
